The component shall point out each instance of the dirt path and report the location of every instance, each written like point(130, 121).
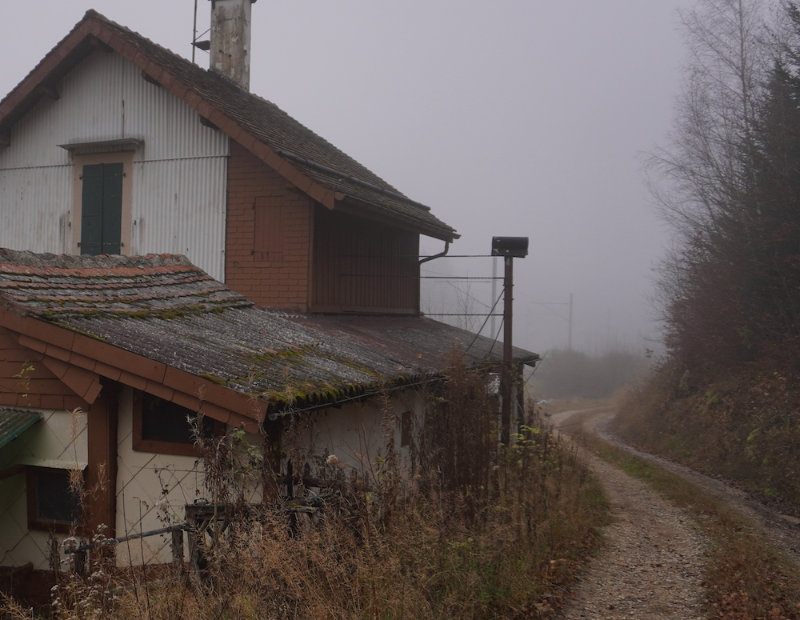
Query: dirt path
point(653, 562)
point(652, 565)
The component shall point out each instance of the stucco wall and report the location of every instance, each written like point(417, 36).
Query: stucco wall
point(58, 439)
point(357, 435)
point(152, 490)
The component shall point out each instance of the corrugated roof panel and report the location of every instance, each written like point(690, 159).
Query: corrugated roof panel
point(14, 422)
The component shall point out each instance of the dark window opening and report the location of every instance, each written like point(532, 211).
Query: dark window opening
point(165, 427)
point(52, 504)
point(101, 209)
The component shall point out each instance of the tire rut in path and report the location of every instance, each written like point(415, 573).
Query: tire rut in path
point(652, 564)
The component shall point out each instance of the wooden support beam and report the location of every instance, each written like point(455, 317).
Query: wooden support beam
point(101, 473)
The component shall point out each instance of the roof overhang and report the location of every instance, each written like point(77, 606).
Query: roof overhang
point(79, 361)
point(365, 210)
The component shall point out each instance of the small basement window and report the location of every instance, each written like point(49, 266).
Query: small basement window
point(163, 427)
point(52, 504)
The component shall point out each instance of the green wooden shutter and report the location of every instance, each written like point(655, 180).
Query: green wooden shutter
point(101, 209)
point(92, 210)
point(112, 208)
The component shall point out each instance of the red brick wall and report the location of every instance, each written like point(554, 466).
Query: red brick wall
point(269, 265)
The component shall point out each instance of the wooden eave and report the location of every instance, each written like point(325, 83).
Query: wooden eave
point(352, 206)
point(79, 361)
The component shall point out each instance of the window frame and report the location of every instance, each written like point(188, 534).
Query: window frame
point(35, 521)
point(140, 444)
point(90, 159)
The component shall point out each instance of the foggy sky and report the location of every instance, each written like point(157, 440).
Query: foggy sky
point(522, 118)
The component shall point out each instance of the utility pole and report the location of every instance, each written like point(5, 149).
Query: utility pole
point(569, 334)
point(509, 248)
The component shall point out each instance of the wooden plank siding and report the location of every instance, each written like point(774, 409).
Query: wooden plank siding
point(26, 382)
point(362, 266)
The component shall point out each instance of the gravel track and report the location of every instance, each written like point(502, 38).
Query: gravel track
point(652, 564)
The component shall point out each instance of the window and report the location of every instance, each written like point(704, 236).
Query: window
point(102, 196)
point(166, 428)
point(52, 505)
point(101, 209)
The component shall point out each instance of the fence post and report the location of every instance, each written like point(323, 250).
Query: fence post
point(79, 562)
point(177, 550)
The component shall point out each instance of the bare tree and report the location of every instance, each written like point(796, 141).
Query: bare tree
point(709, 174)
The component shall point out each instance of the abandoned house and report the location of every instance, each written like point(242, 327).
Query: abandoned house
point(175, 246)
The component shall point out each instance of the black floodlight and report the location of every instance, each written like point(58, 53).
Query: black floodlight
point(514, 247)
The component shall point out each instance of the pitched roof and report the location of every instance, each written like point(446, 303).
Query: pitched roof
point(305, 159)
point(163, 309)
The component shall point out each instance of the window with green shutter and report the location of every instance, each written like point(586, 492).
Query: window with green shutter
point(101, 209)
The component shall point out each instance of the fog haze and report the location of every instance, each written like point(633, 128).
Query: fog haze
point(523, 118)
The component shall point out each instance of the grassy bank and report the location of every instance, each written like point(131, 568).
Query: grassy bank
point(743, 426)
point(429, 555)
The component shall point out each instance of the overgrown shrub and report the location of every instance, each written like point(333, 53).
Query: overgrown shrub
point(480, 531)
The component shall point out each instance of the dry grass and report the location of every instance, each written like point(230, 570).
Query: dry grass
point(478, 531)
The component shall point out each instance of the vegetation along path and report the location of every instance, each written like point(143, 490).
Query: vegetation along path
point(653, 563)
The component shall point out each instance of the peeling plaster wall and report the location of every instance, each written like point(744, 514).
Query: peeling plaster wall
point(357, 434)
point(152, 490)
point(59, 436)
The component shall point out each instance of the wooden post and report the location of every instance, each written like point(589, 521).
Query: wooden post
point(177, 550)
point(271, 467)
point(508, 247)
point(101, 473)
point(79, 563)
point(508, 372)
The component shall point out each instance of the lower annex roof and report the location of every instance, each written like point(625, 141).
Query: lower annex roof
point(165, 309)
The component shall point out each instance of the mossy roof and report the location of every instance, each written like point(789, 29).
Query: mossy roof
point(165, 309)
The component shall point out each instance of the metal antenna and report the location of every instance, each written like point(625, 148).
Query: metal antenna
point(194, 31)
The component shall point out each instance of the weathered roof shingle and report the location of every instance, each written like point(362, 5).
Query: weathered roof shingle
point(165, 309)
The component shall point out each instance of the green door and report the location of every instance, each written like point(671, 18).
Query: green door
point(101, 209)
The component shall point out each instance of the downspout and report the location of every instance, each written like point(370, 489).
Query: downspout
point(439, 255)
point(419, 273)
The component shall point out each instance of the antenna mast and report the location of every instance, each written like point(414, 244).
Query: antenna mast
point(194, 31)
